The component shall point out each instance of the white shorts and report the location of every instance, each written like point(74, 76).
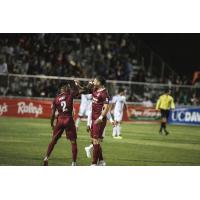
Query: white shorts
point(83, 111)
point(118, 116)
point(89, 118)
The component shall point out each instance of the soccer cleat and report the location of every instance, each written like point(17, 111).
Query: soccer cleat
point(45, 163)
point(88, 153)
point(101, 163)
point(118, 137)
point(93, 165)
point(73, 163)
point(160, 132)
point(166, 132)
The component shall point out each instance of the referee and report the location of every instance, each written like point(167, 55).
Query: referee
point(164, 104)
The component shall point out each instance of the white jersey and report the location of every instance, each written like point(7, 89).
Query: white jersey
point(119, 102)
point(86, 100)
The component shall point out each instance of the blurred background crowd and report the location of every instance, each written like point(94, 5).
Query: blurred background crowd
point(117, 57)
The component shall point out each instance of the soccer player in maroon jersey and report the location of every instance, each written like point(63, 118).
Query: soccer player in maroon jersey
point(63, 103)
point(100, 108)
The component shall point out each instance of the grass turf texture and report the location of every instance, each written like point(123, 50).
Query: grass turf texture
point(24, 142)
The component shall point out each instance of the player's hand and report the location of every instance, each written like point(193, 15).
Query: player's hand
point(98, 121)
point(113, 123)
point(88, 129)
point(77, 82)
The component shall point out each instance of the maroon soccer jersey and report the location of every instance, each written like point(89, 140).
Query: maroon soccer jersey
point(64, 103)
point(99, 98)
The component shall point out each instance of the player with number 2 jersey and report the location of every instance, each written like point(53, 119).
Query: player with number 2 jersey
point(63, 104)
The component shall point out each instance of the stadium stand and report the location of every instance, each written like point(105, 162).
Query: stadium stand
point(115, 56)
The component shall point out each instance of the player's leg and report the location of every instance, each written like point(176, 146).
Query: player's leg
point(163, 121)
point(96, 143)
point(115, 130)
point(89, 124)
point(88, 150)
point(115, 127)
point(96, 151)
point(78, 121)
point(118, 119)
point(56, 135)
point(119, 130)
point(97, 138)
point(119, 134)
point(165, 124)
point(101, 161)
point(72, 136)
point(74, 152)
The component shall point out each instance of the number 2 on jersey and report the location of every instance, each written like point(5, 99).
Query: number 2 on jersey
point(63, 105)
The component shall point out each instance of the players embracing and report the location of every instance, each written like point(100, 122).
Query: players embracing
point(100, 108)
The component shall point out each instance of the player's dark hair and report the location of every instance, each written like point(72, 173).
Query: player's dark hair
point(120, 90)
point(167, 90)
point(63, 86)
point(101, 79)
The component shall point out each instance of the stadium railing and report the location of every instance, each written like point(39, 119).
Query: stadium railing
point(47, 86)
point(24, 95)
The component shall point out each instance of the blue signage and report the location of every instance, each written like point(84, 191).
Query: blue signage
point(190, 116)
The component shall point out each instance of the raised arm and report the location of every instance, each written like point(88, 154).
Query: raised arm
point(84, 89)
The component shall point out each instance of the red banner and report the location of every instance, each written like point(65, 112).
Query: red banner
point(27, 107)
point(39, 108)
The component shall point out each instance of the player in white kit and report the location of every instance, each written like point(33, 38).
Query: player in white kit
point(84, 108)
point(118, 103)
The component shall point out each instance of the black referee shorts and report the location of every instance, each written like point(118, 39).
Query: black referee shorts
point(164, 113)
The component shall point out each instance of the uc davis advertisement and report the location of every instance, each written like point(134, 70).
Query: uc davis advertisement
point(187, 116)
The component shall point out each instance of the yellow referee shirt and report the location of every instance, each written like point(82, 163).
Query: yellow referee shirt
point(165, 102)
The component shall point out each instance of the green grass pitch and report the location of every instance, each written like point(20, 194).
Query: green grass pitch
point(24, 142)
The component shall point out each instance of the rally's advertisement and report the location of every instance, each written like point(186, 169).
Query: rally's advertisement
point(25, 107)
point(28, 107)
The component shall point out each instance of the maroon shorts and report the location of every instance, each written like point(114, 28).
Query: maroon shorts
point(97, 129)
point(65, 124)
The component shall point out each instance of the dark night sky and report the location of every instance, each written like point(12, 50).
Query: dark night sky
point(180, 51)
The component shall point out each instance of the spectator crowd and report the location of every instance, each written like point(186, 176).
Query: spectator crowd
point(114, 56)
